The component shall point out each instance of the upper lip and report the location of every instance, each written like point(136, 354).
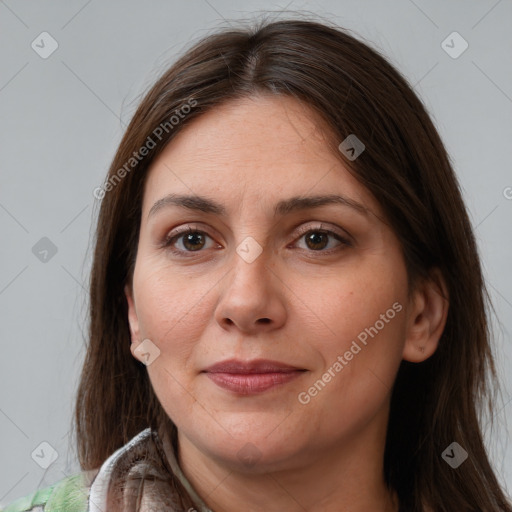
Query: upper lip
point(255, 366)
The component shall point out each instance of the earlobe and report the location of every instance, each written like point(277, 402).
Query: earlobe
point(428, 311)
point(132, 318)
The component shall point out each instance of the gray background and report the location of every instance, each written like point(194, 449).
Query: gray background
point(62, 118)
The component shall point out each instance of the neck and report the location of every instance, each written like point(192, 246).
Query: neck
point(341, 478)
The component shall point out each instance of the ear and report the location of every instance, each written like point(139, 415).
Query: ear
point(428, 311)
point(133, 320)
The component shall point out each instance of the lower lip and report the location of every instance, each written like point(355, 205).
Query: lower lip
point(251, 383)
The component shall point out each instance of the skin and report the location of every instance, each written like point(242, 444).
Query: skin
point(207, 306)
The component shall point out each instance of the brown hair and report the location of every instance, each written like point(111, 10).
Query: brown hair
point(405, 166)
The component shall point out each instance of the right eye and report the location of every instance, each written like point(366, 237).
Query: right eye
point(192, 240)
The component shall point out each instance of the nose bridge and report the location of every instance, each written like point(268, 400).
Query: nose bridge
point(253, 249)
point(249, 298)
point(250, 265)
point(251, 231)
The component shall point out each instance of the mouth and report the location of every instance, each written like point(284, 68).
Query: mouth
point(251, 377)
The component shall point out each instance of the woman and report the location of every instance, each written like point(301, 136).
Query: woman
point(287, 304)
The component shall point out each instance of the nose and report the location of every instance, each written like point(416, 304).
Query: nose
point(252, 296)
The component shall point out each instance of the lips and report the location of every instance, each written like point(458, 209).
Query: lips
point(247, 367)
point(249, 377)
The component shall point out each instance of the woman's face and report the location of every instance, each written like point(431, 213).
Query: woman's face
point(318, 285)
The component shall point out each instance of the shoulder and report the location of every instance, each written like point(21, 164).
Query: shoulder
point(70, 494)
point(79, 492)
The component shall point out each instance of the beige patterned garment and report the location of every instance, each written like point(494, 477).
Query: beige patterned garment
point(139, 477)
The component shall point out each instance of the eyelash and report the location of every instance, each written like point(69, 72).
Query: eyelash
point(171, 238)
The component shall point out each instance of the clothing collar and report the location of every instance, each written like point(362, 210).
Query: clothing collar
point(129, 456)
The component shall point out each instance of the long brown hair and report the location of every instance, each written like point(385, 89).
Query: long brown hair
point(405, 166)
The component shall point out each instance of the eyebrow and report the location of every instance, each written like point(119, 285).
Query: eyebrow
point(284, 207)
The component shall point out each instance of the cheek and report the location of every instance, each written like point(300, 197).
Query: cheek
point(360, 317)
point(170, 307)
point(172, 314)
point(172, 390)
point(352, 299)
point(358, 357)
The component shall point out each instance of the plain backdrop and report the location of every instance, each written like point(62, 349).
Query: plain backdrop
point(62, 117)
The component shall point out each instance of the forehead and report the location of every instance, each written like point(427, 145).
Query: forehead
point(253, 149)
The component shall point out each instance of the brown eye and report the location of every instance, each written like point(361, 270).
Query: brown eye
point(187, 241)
point(193, 241)
point(318, 239)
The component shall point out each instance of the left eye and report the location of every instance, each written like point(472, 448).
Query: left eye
point(316, 238)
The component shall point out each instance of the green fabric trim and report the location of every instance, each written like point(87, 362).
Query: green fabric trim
point(40, 497)
point(68, 495)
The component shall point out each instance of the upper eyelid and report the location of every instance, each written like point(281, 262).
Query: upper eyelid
point(322, 226)
point(197, 226)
